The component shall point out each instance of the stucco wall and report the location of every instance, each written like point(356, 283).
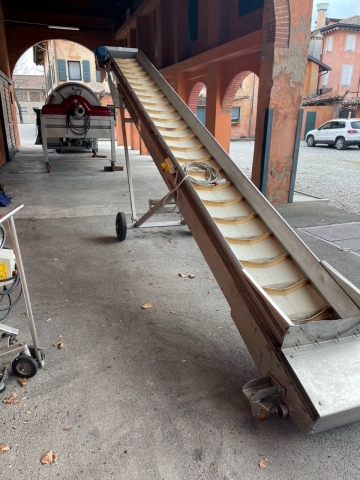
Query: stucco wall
point(323, 114)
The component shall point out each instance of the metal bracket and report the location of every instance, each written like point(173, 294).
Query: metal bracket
point(259, 392)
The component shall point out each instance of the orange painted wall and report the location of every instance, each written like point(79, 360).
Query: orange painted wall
point(323, 113)
point(339, 57)
point(311, 79)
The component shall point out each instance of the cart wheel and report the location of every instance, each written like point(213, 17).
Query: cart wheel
point(2, 388)
point(113, 166)
point(120, 226)
point(33, 353)
point(25, 366)
point(48, 168)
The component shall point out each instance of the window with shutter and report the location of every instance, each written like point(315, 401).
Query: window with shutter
point(346, 75)
point(329, 43)
point(86, 70)
point(62, 70)
point(350, 42)
point(74, 70)
point(325, 79)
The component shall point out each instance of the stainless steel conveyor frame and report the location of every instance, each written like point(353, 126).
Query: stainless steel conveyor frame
point(309, 367)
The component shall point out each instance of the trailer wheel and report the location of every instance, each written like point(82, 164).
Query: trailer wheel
point(25, 366)
point(121, 227)
point(264, 415)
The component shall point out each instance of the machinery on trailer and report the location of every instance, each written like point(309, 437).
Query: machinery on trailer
point(73, 119)
point(299, 318)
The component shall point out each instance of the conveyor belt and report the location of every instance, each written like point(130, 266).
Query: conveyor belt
point(273, 283)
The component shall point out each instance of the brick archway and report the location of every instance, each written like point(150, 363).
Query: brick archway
point(277, 22)
point(231, 91)
point(194, 96)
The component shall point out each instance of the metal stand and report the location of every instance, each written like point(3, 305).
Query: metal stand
point(155, 206)
point(10, 348)
point(54, 126)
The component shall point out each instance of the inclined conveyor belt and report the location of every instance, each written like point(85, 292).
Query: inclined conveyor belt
point(279, 293)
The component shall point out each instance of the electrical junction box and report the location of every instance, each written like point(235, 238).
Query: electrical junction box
point(7, 265)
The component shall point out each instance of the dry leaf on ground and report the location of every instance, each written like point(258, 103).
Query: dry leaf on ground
point(147, 305)
point(59, 345)
point(172, 311)
point(49, 457)
point(4, 448)
point(186, 275)
point(22, 381)
point(262, 463)
point(66, 429)
point(48, 320)
point(11, 399)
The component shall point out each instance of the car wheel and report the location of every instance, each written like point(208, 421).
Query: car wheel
point(340, 143)
point(310, 141)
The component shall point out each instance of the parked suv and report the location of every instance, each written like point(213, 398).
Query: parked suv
point(338, 133)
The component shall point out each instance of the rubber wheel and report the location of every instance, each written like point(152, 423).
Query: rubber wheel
point(121, 227)
point(25, 366)
point(340, 143)
point(264, 415)
point(3, 389)
point(32, 352)
point(48, 168)
point(310, 141)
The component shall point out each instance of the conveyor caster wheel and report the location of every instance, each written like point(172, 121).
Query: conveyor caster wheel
point(121, 227)
point(48, 168)
point(264, 415)
point(25, 366)
point(112, 166)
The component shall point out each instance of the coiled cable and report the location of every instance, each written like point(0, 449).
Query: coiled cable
point(212, 175)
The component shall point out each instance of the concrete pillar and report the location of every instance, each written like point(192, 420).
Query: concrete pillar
point(217, 123)
point(286, 39)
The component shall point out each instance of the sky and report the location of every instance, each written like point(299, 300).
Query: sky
point(337, 9)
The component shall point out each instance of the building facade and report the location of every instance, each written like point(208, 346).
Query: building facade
point(66, 61)
point(29, 92)
point(341, 50)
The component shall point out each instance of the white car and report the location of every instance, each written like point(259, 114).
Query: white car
point(338, 132)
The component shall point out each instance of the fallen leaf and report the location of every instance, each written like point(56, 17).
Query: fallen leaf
point(26, 421)
point(4, 448)
point(262, 463)
point(59, 345)
point(182, 361)
point(48, 320)
point(147, 305)
point(28, 412)
point(186, 275)
point(170, 241)
point(67, 428)
point(11, 399)
point(22, 381)
point(49, 457)
point(172, 311)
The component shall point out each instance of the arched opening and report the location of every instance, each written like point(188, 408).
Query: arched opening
point(44, 67)
point(197, 101)
point(240, 101)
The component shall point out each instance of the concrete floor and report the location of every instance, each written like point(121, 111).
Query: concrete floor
point(142, 394)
